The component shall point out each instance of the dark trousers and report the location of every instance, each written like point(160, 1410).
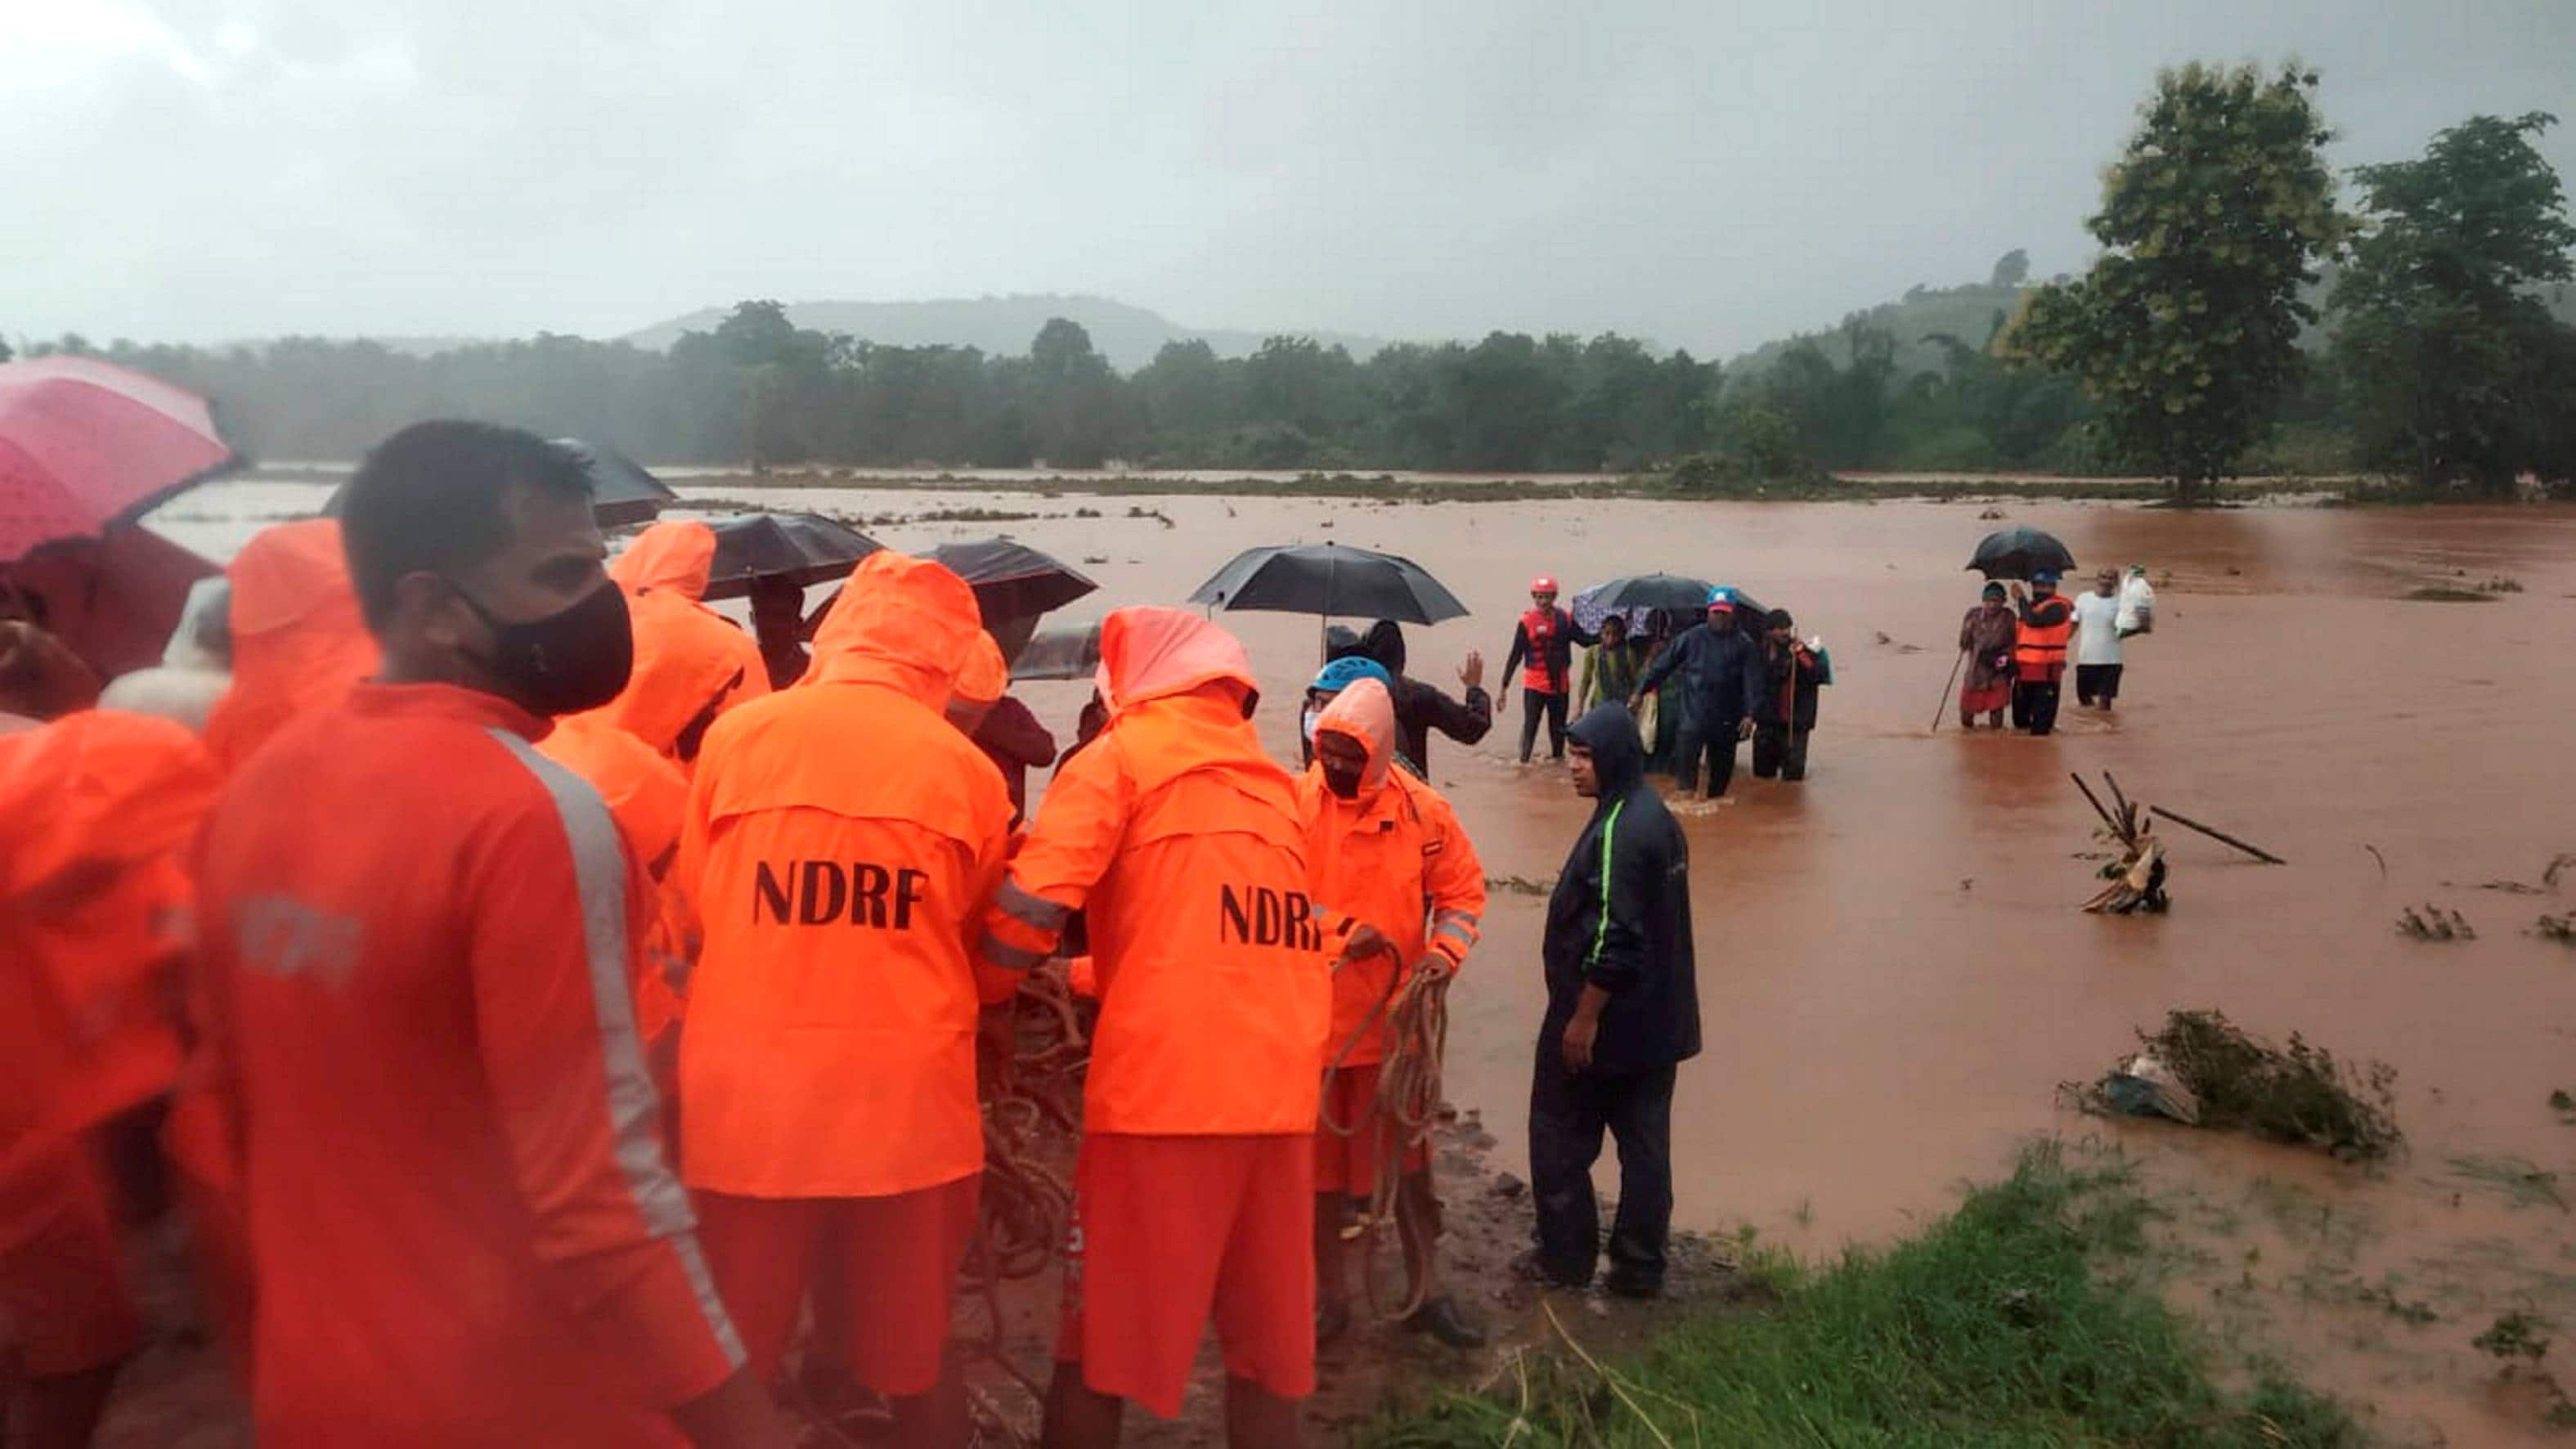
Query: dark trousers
point(2097, 683)
point(1779, 751)
point(1568, 1113)
point(1533, 705)
point(2034, 705)
point(1714, 739)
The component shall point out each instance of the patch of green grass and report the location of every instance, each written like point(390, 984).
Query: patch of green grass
point(2027, 1318)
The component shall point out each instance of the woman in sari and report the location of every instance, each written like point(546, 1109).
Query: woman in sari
point(1986, 637)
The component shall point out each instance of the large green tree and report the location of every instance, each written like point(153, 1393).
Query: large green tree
point(2454, 364)
point(2186, 327)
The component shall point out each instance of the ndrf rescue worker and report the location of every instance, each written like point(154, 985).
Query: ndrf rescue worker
point(96, 811)
point(676, 557)
point(1622, 1014)
point(419, 936)
point(2045, 622)
point(1180, 841)
point(298, 641)
point(1384, 848)
point(827, 1074)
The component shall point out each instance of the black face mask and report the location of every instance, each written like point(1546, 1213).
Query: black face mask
point(574, 659)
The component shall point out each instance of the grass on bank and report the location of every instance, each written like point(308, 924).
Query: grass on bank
point(2027, 1318)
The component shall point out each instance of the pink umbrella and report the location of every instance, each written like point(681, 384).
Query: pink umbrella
point(112, 600)
point(86, 445)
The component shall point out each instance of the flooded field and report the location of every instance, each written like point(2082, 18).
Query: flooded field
point(1895, 975)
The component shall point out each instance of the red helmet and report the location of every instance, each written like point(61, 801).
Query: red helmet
point(1542, 585)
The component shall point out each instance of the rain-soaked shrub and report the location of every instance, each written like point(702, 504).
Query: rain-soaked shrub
point(2298, 1094)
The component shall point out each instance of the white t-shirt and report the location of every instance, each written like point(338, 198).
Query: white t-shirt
point(2097, 631)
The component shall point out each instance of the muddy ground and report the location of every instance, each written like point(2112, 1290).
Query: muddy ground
point(1894, 974)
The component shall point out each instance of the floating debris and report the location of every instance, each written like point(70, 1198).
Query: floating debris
point(2561, 929)
point(2137, 873)
point(1520, 885)
point(2434, 923)
point(2237, 1081)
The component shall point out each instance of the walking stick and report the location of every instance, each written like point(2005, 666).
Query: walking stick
point(1944, 706)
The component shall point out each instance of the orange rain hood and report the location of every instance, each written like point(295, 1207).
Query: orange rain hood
point(299, 640)
point(902, 621)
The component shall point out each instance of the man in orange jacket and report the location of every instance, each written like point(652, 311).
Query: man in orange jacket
point(1180, 841)
point(418, 934)
point(675, 558)
point(827, 1075)
point(96, 810)
point(1384, 848)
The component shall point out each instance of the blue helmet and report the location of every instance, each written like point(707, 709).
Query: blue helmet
point(1344, 672)
point(2044, 576)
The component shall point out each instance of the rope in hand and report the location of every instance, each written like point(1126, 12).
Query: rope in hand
point(1415, 1010)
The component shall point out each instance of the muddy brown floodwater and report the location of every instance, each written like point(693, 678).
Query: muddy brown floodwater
point(1894, 974)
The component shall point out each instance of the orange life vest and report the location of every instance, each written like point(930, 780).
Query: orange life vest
point(2040, 649)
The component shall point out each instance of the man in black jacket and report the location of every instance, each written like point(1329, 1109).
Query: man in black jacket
point(1421, 707)
point(1793, 673)
point(1622, 1014)
point(1721, 673)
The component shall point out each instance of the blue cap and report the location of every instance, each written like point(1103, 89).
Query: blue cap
point(1342, 673)
point(2044, 576)
point(1721, 596)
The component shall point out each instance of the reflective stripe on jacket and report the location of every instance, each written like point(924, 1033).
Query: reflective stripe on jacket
point(463, 1227)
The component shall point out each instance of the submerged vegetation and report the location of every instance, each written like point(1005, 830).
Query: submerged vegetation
point(2028, 1317)
point(2296, 1094)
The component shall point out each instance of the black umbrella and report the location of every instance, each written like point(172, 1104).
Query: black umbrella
point(1011, 579)
point(2017, 553)
point(1330, 579)
point(804, 548)
point(1634, 597)
point(620, 490)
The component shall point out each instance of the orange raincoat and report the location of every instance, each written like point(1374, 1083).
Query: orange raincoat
point(648, 796)
point(98, 810)
point(674, 557)
point(1180, 840)
point(841, 836)
point(299, 640)
point(1395, 858)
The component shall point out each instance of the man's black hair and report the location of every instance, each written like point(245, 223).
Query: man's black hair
point(434, 498)
point(1779, 619)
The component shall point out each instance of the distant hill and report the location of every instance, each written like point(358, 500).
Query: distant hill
point(1128, 336)
point(1968, 313)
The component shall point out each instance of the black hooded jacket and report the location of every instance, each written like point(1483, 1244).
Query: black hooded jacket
point(1421, 708)
point(1620, 918)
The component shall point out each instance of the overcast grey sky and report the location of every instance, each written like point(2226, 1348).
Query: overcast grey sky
point(1706, 174)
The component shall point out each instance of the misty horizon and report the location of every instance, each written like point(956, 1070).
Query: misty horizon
point(1710, 178)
